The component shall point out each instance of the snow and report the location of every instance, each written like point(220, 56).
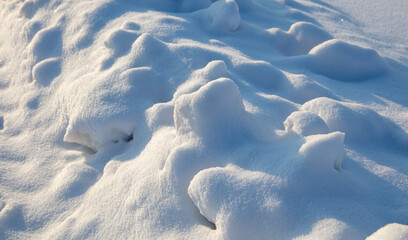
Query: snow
point(392, 231)
point(299, 39)
point(199, 119)
point(330, 228)
point(346, 62)
point(358, 122)
point(224, 15)
point(45, 71)
point(240, 203)
point(305, 123)
point(214, 112)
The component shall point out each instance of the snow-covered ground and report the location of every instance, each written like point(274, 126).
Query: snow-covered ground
point(204, 119)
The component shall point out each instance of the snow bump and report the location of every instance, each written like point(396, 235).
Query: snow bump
point(346, 62)
point(242, 204)
point(324, 152)
point(120, 41)
point(106, 117)
point(28, 9)
point(47, 43)
point(45, 71)
point(358, 122)
point(262, 74)
point(212, 71)
point(148, 50)
point(215, 113)
point(223, 15)
point(330, 228)
point(299, 39)
point(392, 231)
point(305, 124)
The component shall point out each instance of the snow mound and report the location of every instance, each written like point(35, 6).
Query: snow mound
point(242, 204)
point(213, 70)
point(28, 9)
point(392, 231)
point(113, 112)
point(120, 41)
point(358, 122)
point(45, 71)
point(299, 39)
point(47, 43)
point(215, 113)
point(172, 112)
point(305, 124)
point(221, 16)
point(148, 50)
point(330, 229)
point(346, 62)
point(262, 74)
point(159, 115)
point(323, 152)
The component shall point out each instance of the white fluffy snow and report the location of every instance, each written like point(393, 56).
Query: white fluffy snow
point(203, 119)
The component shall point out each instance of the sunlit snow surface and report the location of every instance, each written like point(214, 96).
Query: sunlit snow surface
point(202, 119)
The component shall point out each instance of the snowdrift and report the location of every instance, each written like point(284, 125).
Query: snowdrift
point(228, 119)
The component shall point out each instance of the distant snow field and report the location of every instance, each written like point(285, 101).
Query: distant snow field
point(204, 119)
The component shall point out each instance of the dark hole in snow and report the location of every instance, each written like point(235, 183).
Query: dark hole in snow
point(211, 225)
point(207, 222)
point(129, 138)
point(1, 122)
point(203, 219)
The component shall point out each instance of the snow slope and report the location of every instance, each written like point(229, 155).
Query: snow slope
point(203, 119)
